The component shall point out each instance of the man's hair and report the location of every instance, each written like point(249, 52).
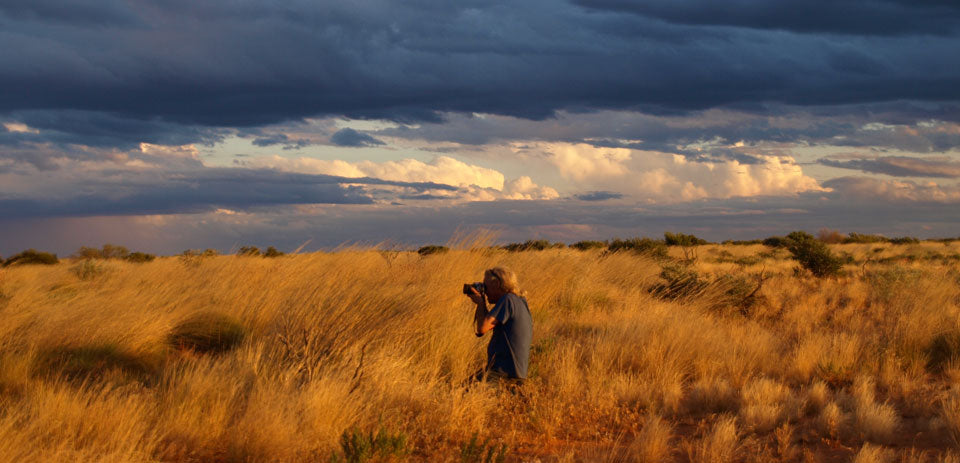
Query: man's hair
point(507, 279)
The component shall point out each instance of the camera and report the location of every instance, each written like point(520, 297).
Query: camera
point(477, 286)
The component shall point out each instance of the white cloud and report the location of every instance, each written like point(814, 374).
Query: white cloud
point(181, 151)
point(441, 169)
point(19, 127)
point(581, 161)
point(657, 176)
point(524, 188)
point(475, 183)
point(894, 190)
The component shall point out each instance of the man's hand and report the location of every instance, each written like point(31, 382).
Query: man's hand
point(482, 321)
point(475, 296)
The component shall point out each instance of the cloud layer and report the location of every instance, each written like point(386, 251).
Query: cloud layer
point(224, 63)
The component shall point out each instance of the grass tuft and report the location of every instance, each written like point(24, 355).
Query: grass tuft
point(207, 332)
point(103, 362)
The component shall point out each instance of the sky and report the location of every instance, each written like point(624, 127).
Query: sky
point(173, 124)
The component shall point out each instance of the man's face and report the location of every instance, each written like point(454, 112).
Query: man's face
point(493, 288)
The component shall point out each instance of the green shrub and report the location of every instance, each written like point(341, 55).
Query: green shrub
point(587, 245)
point(533, 245)
point(97, 361)
point(776, 242)
point(272, 252)
point(904, 240)
point(860, 238)
point(813, 254)
point(743, 242)
point(432, 249)
point(249, 251)
point(680, 239)
point(139, 257)
point(475, 451)
point(889, 282)
point(88, 269)
point(359, 447)
point(30, 257)
point(680, 281)
point(108, 251)
point(646, 246)
point(207, 332)
point(830, 236)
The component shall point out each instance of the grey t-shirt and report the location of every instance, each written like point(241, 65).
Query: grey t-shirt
point(509, 348)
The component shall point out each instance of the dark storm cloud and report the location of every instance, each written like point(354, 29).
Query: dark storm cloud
point(351, 138)
point(206, 189)
point(280, 139)
point(854, 17)
point(247, 64)
point(99, 129)
point(907, 126)
point(900, 166)
point(598, 196)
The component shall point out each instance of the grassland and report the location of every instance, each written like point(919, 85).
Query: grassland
point(361, 355)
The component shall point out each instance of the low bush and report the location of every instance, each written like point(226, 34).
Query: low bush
point(88, 269)
point(32, 257)
point(587, 245)
point(110, 251)
point(680, 239)
point(249, 251)
point(475, 451)
point(776, 242)
point(139, 257)
point(272, 252)
point(650, 247)
point(830, 236)
point(904, 240)
point(680, 281)
point(432, 249)
point(359, 447)
point(743, 242)
point(860, 238)
point(813, 254)
point(533, 245)
point(207, 332)
point(97, 361)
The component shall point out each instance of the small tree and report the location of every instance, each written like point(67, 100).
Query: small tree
point(139, 257)
point(249, 251)
point(432, 249)
point(533, 245)
point(650, 247)
point(110, 251)
point(776, 242)
point(32, 256)
point(904, 240)
point(813, 254)
point(830, 236)
point(272, 252)
point(686, 242)
point(588, 244)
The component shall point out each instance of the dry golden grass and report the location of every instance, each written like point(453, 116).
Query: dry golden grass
point(250, 359)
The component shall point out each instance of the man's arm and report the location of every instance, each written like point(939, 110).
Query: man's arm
point(482, 320)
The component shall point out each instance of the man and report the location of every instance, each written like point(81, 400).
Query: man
point(509, 350)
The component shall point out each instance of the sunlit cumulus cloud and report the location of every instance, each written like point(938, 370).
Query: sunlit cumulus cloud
point(903, 191)
point(476, 182)
point(671, 177)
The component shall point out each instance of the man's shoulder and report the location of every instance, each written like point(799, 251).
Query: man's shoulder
point(515, 300)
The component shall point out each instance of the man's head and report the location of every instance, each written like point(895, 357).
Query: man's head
point(498, 282)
